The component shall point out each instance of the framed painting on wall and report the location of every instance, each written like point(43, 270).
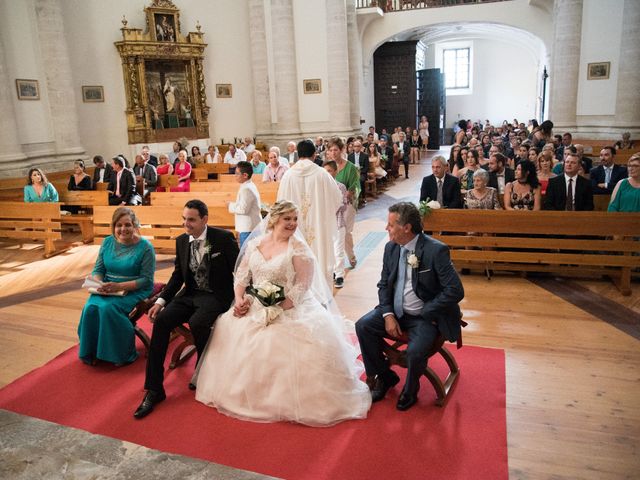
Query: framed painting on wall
point(27, 89)
point(92, 93)
point(598, 71)
point(312, 86)
point(223, 90)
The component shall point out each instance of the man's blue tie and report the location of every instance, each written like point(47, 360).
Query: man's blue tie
point(607, 175)
point(398, 294)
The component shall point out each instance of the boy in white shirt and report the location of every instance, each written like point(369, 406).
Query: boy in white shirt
point(340, 255)
point(247, 205)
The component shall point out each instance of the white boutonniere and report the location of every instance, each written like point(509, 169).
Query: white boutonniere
point(413, 261)
point(207, 248)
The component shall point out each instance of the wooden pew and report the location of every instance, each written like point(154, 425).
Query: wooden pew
point(601, 202)
point(212, 199)
point(564, 243)
point(161, 225)
point(217, 168)
point(85, 199)
point(31, 221)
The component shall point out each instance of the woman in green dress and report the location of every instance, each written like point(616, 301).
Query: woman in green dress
point(349, 176)
point(126, 263)
point(38, 188)
point(626, 194)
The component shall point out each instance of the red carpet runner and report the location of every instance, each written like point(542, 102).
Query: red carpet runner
point(464, 440)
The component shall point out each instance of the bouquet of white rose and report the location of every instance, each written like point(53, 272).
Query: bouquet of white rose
point(427, 205)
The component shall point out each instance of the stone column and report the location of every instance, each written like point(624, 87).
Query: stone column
point(355, 62)
point(57, 68)
point(628, 99)
point(11, 151)
point(284, 63)
point(260, 67)
point(565, 63)
point(338, 67)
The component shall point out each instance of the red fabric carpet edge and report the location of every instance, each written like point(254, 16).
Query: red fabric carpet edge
point(465, 439)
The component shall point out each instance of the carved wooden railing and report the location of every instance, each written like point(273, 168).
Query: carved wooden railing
point(402, 5)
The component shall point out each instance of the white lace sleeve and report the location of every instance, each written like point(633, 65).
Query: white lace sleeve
point(300, 279)
point(242, 275)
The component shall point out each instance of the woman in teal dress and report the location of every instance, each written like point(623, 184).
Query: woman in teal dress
point(626, 194)
point(126, 262)
point(38, 188)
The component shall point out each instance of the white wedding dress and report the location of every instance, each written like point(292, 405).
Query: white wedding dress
point(299, 368)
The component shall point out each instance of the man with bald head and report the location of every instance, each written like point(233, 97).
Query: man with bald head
point(441, 186)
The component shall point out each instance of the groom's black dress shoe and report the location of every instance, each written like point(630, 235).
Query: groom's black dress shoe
point(381, 387)
point(149, 401)
point(406, 401)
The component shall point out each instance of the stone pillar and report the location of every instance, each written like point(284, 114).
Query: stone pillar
point(260, 67)
point(628, 99)
point(355, 62)
point(565, 63)
point(11, 151)
point(284, 63)
point(57, 68)
point(338, 67)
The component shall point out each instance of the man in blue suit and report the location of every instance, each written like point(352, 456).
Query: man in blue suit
point(418, 291)
point(606, 175)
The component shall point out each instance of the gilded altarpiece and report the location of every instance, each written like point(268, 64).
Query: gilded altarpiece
point(163, 78)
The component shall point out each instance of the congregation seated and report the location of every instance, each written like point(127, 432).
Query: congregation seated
point(125, 263)
point(605, 176)
point(481, 197)
point(164, 168)
point(544, 166)
point(147, 172)
point(448, 194)
point(626, 194)
point(524, 192)
point(38, 188)
point(79, 180)
point(213, 155)
point(122, 184)
point(234, 155)
point(499, 173)
point(466, 174)
point(102, 173)
point(569, 191)
point(375, 162)
point(257, 164)
point(196, 156)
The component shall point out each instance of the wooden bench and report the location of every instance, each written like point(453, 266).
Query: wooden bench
point(161, 225)
point(85, 199)
point(212, 199)
point(268, 191)
point(563, 243)
point(31, 221)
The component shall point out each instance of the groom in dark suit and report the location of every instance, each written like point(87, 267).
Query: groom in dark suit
point(199, 290)
point(418, 291)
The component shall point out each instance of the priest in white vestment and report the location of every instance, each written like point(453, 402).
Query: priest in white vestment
point(318, 198)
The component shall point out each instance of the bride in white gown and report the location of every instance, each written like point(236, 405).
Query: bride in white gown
point(291, 362)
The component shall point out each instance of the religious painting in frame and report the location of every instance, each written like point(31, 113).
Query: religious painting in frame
point(164, 25)
point(312, 86)
point(598, 71)
point(27, 89)
point(92, 93)
point(224, 90)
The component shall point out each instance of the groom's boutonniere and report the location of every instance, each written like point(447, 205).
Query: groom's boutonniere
point(207, 248)
point(413, 261)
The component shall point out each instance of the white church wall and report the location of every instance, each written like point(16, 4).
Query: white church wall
point(504, 84)
point(601, 39)
point(93, 26)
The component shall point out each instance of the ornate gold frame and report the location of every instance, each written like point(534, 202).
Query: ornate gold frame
point(138, 51)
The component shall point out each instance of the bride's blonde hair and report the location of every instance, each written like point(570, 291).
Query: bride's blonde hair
point(277, 210)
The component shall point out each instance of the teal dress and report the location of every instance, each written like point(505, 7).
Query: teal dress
point(105, 331)
point(627, 198)
point(49, 194)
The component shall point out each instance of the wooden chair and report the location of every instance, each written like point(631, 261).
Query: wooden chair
point(396, 354)
point(184, 350)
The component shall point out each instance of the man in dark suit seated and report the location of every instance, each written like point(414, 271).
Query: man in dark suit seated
point(199, 290)
point(606, 175)
point(569, 191)
point(360, 160)
point(148, 158)
point(418, 291)
point(386, 154)
point(499, 173)
point(441, 186)
point(102, 173)
point(122, 185)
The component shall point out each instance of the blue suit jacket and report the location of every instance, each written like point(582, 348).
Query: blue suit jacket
point(597, 176)
point(435, 282)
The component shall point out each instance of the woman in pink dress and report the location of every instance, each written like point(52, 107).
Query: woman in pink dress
point(164, 168)
point(183, 169)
